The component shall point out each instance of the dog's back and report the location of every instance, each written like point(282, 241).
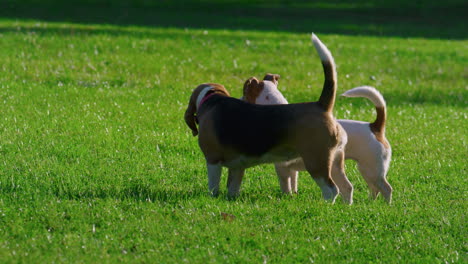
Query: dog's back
point(255, 130)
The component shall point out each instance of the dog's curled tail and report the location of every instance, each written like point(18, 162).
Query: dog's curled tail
point(327, 98)
point(377, 99)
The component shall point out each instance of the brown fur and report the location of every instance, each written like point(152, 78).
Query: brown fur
point(272, 78)
point(327, 98)
point(378, 127)
point(252, 89)
point(190, 114)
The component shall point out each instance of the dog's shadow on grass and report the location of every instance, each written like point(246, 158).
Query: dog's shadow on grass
point(143, 192)
point(133, 192)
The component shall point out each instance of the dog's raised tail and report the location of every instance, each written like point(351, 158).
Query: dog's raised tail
point(327, 98)
point(377, 99)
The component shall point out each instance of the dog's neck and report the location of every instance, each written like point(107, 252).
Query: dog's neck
point(202, 97)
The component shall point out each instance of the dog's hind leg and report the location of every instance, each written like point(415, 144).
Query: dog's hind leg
point(339, 177)
point(319, 167)
point(369, 174)
point(375, 178)
point(234, 182)
point(285, 178)
point(384, 187)
point(214, 177)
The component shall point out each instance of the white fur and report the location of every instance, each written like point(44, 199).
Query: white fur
point(202, 94)
point(367, 92)
point(270, 92)
point(328, 193)
point(372, 157)
point(214, 177)
point(324, 53)
point(234, 181)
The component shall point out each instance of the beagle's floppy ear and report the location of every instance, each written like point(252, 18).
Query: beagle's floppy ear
point(252, 89)
point(219, 89)
point(190, 118)
point(272, 77)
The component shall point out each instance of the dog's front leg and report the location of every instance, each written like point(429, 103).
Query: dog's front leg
point(294, 174)
point(234, 182)
point(214, 177)
point(287, 178)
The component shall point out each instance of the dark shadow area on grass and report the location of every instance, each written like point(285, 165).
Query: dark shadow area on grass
point(409, 95)
point(430, 19)
point(83, 31)
point(138, 193)
point(146, 193)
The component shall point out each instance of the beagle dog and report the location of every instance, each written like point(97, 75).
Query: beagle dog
point(238, 135)
point(366, 143)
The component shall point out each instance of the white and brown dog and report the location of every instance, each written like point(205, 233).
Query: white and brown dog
point(238, 135)
point(366, 142)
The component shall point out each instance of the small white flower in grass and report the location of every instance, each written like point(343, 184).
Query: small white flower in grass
point(205, 32)
point(247, 42)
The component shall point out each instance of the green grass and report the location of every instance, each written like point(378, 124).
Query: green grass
point(97, 163)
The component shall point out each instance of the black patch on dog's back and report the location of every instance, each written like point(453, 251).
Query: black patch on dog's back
point(250, 129)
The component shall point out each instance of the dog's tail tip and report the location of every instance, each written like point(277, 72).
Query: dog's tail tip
point(368, 92)
point(379, 102)
point(324, 53)
point(314, 37)
point(327, 98)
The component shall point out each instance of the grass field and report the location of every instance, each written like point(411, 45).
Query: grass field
point(97, 164)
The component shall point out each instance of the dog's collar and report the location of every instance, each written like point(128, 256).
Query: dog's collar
point(204, 95)
point(205, 98)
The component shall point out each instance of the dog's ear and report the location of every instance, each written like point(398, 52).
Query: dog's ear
point(251, 82)
point(252, 88)
point(190, 118)
point(272, 77)
point(220, 89)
